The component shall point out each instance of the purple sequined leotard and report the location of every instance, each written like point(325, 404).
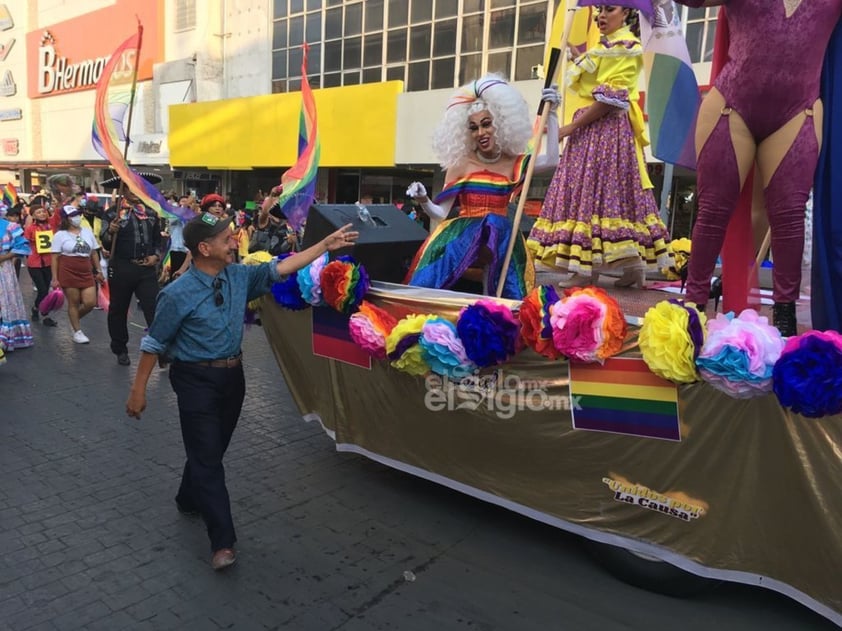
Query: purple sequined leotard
point(771, 76)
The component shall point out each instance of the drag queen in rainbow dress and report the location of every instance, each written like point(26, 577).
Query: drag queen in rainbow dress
point(481, 142)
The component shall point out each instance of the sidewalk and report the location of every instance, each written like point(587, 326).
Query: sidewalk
point(91, 538)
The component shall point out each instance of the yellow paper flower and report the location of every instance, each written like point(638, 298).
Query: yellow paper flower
point(407, 359)
point(680, 249)
point(669, 341)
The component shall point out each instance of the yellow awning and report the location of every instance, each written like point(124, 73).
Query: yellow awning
point(356, 125)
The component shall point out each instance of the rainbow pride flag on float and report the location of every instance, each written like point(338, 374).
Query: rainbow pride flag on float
point(299, 181)
point(672, 92)
point(332, 339)
point(622, 396)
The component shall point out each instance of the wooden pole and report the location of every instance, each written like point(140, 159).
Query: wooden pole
point(536, 140)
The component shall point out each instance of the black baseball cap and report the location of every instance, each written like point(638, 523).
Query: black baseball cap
point(203, 227)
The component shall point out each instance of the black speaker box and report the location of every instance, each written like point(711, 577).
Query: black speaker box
point(388, 238)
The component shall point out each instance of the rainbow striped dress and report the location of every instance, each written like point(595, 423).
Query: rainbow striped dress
point(478, 237)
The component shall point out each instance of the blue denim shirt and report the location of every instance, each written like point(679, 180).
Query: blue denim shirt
point(190, 327)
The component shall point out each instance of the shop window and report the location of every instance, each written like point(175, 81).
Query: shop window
point(701, 33)
point(352, 52)
point(443, 73)
point(472, 34)
point(470, 67)
point(296, 31)
point(332, 80)
point(398, 15)
point(333, 56)
point(395, 73)
point(500, 62)
point(527, 57)
point(419, 42)
point(313, 32)
point(353, 19)
point(333, 23)
point(473, 6)
point(373, 51)
point(279, 64)
point(372, 75)
point(351, 78)
point(279, 9)
point(532, 24)
point(279, 86)
point(373, 16)
point(447, 8)
point(296, 6)
point(419, 76)
point(396, 46)
point(279, 34)
point(444, 41)
point(422, 11)
point(501, 31)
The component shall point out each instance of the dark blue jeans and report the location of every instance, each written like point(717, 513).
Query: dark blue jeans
point(209, 404)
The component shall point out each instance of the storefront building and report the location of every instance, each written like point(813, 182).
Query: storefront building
point(218, 96)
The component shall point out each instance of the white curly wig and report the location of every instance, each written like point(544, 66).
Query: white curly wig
point(509, 111)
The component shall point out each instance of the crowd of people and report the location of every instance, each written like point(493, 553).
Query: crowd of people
point(99, 249)
point(599, 213)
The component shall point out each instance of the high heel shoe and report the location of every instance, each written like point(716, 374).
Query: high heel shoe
point(632, 277)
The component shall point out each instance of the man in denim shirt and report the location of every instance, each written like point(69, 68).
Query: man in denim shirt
point(198, 325)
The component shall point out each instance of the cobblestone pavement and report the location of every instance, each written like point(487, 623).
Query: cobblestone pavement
point(90, 537)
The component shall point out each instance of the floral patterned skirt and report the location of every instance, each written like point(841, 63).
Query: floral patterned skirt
point(596, 212)
point(15, 331)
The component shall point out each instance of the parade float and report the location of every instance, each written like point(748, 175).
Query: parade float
point(709, 446)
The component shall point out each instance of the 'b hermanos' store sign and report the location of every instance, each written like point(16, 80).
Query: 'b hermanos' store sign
point(71, 55)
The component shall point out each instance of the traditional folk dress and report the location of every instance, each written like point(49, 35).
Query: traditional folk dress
point(482, 230)
point(599, 208)
point(15, 331)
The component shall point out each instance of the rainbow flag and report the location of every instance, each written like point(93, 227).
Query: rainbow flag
point(672, 93)
point(299, 181)
point(332, 339)
point(10, 195)
point(623, 396)
point(114, 94)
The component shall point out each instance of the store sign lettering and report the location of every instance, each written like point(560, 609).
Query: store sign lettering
point(58, 74)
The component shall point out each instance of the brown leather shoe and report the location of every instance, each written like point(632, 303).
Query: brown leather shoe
point(222, 558)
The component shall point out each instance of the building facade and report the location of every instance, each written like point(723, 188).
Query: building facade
point(218, 89)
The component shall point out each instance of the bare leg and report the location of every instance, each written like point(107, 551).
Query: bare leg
point(73, 297)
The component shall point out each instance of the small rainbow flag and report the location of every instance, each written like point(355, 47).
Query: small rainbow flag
point(299, 181)
point(113, 98)
point(332, 339)
point(10, 195)
point(672, 92)
point(623, 396)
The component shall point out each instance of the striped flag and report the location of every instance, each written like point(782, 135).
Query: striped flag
point(672, 93)
point(114, 95)
point(299, 181)
point(623, 396)
point(10, 195)
point(332, 339)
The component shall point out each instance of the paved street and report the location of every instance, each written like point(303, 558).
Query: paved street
point(90, 537)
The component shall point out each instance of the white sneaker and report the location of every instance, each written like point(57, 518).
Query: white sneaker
point(80, 338)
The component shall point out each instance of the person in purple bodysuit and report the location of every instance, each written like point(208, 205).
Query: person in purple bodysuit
point(764, 107)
